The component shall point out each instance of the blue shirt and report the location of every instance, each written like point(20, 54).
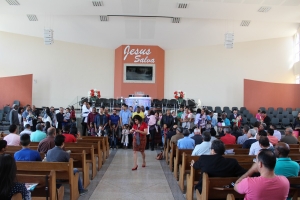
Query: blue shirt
point(114, 119)
point(227, 122)
point(37, 136)
point(186, 143)
point(214, 122)
point(25, 114)
point(27, 154)
point(125, 115)
point(286, 167)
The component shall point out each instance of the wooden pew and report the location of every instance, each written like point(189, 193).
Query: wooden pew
point(90, 157)
point(172, 155)
point(246, 151)
point(166, 152)
point(104, 144)
point(185, 168)
point(233, 146)
point(82, 165)
point(43, 187)
point(64, 171)
point(178, 159)
point(97, 150)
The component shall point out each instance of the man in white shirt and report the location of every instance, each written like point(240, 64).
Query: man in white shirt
point(255, 147)
point(86, 109)
point(27, 130)
point(12, 138)
point(276, 132)
point(204, 147)
point(186, 119)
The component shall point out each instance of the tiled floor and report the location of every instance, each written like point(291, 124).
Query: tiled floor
point(151, 182)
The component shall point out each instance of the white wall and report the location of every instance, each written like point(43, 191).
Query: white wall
point(62, 70)
point(215, 75)
point(211, 73)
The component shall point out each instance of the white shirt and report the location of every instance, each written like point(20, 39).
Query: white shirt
point(26, 131)
point(186, 124)
point(277, 134)
point(202, 149)
point(255, 148)
point(85, 112)
point(197, 118)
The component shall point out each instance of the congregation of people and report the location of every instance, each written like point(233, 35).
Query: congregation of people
point(205, 132)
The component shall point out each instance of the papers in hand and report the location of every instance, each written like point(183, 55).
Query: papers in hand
point(30, 186)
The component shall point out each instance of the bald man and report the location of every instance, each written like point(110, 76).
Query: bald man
point(289, 138)
point(284, 165)
point(47, 143)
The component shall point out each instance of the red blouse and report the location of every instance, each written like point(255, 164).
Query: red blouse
point(72, 114)
point(143, 126)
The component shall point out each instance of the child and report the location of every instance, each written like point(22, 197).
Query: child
point(125, 133)
point(258, 115)
point(30, 117)
point(164, 133)
point(73, 123)
point(113, 137)
point(66, 117)
point(92, 130)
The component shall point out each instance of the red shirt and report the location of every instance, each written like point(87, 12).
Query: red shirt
point(91, 117)
point(142, 127)
point(69, 138)
point(273, 140)
point(72, 114)
point(228, 139)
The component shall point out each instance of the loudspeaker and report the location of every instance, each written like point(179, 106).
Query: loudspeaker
point(145, 95)
point(131, 95)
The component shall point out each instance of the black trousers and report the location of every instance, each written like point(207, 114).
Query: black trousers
point(152, 133)
point(130, 138)
point(147, 141)
point(84, 128)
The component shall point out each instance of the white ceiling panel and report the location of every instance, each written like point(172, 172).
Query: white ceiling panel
point(204, 22)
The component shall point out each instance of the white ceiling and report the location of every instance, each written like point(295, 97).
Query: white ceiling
point(204, 22)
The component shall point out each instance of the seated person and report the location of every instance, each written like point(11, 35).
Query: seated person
point(26, 154)
point(276, 132)
point(228, 138)
point(215, 165)
point(197, 136)
point(12, 138)
point(251, 139)
point(178, 135)
point(186, 142)
point(285, 166)
point(27, 130)
point(273, 140)
point(38, 135)
point(244, 137)
point(255, 147)
point(264, 143)
point(69, 138)
point(3, 145)
point(268, 185)
point(47, 143)
point(8, 184)
point(289, 138)
point(236, 132)
point(204, 147)
point(171, 132)
point(57, 154)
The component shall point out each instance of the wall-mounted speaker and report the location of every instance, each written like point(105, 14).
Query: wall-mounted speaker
point(131, 95)
point(145, 95)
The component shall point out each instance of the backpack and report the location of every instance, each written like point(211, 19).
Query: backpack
point(160, 156)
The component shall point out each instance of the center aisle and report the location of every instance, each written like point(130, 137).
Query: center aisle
point(120, 182)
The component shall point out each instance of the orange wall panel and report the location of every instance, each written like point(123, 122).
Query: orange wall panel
point(16, 88)
point(123, 56)
point(263, 94)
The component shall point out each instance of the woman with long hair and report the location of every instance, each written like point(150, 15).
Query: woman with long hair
point(139, 131)
point(197, 117)
point(72, 112)
point(297, 121)
point(8, 182)
point(20, 112)
point(47, 125)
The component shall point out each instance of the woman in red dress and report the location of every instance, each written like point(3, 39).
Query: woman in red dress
point(139, 131)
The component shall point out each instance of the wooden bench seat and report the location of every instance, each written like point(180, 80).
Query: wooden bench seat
point(178, 159)
point(104, 144)
point(97, 150)
point(64, 171)
point(46, 186)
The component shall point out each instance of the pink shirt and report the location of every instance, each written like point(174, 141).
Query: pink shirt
point(258, 116)
point(262, 188)
point(12, 139)
point(152, 120)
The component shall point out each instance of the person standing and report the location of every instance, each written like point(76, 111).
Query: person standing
point(53, 117)
point(91, 119)
point(20, 112)
point(25, 114)
point(36, 114)
point(60, 118)
point(13, 117)
point(138, 112)
point(86, 109)
point(139, 130)
point(125, 118)
point(152, 127)
point(101, 122)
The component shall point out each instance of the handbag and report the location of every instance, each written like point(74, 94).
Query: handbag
point(160, 156)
